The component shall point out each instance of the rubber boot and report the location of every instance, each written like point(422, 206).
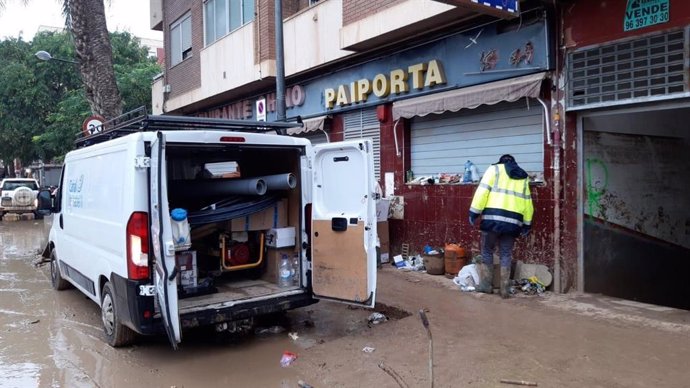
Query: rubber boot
point(486, 278)
point(505, 282)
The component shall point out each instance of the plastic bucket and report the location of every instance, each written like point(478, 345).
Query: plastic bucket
point(434, 264)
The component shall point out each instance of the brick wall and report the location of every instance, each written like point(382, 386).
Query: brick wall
point(186, 75)
point(354, 10)
point(264, 26)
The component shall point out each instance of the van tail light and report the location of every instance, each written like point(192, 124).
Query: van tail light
point(138, 246)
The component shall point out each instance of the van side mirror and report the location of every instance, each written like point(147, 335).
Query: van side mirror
point(45, 203)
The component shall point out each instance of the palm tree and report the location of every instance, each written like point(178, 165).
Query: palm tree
point(85, 20)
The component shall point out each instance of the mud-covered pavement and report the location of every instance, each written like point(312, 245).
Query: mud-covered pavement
point(54, 339)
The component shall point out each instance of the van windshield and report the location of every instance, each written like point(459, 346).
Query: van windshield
point(14, 185)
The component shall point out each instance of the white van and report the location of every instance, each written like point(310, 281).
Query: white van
point(254, 201)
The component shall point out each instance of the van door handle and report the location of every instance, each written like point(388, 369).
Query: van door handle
point(62, 225)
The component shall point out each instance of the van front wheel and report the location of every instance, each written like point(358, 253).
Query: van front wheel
point(117, 334)
point(56, 279)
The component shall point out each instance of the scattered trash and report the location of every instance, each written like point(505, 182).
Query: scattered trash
point(368, 349)
point(412, 263)
point(35, 321)
point(293, 336)
point(467, 278)
point(287, 359)
point(376, 318)
point(530, 286)
point(519, 382)
point(302, 384)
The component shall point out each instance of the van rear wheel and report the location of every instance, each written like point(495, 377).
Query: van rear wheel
point(117, 334)
point(56, 279)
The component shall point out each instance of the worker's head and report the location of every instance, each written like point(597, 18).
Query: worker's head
point(506, 159)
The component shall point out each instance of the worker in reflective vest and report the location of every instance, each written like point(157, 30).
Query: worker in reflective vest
point(503, 200)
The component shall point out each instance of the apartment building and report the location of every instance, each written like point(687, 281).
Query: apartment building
point(433, 83)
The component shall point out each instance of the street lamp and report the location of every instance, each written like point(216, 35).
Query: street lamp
point(45, 56)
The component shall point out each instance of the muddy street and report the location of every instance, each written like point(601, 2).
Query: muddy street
point(55, 339)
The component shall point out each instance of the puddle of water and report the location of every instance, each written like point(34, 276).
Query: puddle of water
point(19, 375)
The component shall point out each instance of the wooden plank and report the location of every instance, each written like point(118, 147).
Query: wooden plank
point(340, 262)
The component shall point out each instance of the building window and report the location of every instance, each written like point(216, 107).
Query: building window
point(181, 39)
point(313, 2)
point(224, 16)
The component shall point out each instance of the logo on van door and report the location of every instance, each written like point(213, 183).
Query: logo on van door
point(74, 187)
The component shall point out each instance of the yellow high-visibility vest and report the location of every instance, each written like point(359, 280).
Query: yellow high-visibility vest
point(503, 199)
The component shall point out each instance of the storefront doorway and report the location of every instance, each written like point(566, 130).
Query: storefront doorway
point(635, 202)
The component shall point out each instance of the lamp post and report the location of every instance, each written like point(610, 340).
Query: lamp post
point(45, 56)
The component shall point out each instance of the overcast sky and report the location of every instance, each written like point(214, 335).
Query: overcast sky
point(122, 15)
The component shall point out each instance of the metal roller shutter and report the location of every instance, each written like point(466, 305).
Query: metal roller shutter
point(363, 123)
point(443, 143)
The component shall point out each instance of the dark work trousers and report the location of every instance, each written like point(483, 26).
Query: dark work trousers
point(505, 248)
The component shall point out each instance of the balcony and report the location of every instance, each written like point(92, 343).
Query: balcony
point(311, 37)
point(406, 20)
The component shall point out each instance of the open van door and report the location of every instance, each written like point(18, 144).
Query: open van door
point(344, 222)
point(164, 278)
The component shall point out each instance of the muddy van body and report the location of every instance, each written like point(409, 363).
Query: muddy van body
point(253, 200)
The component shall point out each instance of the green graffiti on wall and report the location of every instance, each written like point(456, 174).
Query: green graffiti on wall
point(595, 188)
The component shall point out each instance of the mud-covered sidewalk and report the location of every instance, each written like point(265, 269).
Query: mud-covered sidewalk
point(55, 339)
point(479, 340)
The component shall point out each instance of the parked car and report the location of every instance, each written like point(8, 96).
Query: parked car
point(18, 196)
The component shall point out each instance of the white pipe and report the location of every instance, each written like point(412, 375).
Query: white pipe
point(219, 187)
point(395, 137)
point(547, 120)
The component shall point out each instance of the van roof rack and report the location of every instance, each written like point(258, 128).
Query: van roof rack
point(138, 120)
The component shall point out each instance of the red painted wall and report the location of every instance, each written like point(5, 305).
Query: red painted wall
point(438, 214)
point(588, 22)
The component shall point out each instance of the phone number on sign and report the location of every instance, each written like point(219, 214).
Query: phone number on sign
point(645, 21)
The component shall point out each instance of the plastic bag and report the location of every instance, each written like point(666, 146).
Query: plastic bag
point(467, 278)
point(287, 359)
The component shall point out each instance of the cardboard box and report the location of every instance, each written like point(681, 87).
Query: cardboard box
point(384, 241)
point(186, 267)
point(273, 256)
point(273, 217)
point(382, 208)
point(281, 237)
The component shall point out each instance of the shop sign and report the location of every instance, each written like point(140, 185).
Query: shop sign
point(244, 110)
point(645, 13)
point(420, 75)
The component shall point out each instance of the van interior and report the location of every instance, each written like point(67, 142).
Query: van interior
point(240, 230)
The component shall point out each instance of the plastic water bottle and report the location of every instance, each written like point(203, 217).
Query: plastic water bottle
point(295, 269)
point(285, 272)
point(180, 228)
point(467, 176)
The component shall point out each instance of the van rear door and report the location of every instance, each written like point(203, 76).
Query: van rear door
point(164, 278)
point(344, 222)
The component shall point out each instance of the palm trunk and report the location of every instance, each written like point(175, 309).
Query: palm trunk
point(86, 21)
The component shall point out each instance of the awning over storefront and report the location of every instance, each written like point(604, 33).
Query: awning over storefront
point(309, 125)
point(470, 97)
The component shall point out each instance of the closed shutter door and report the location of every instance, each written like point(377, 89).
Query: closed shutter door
point(363, 123)
point(443, 143)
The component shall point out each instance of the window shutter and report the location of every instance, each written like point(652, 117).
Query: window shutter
point(363, 123)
